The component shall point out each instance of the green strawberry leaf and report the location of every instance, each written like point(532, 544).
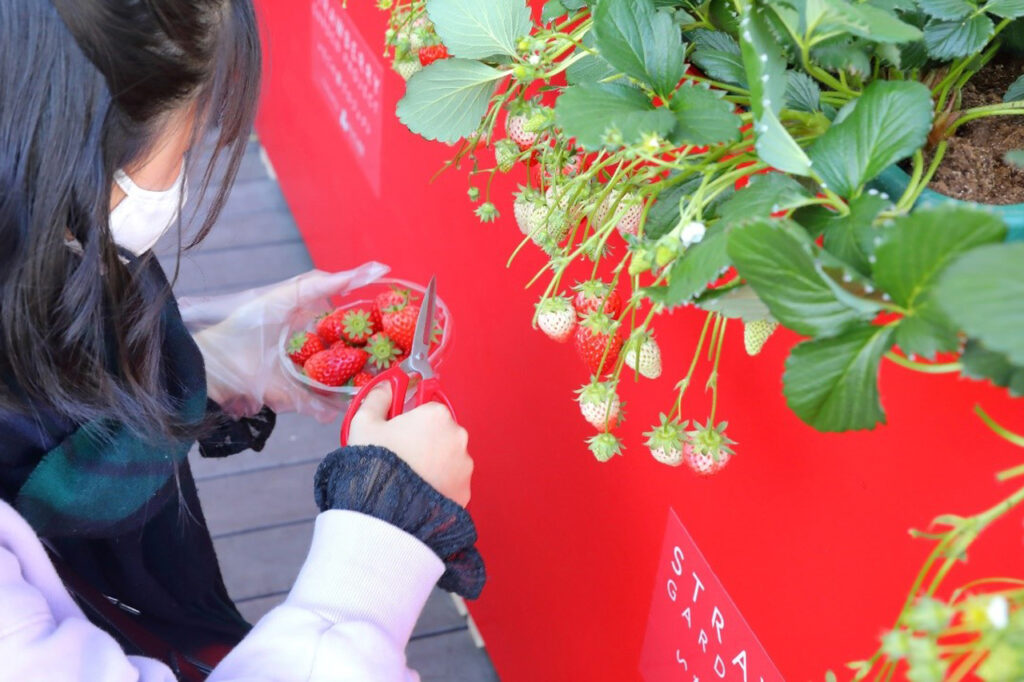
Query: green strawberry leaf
point(851, 237)
point(574, 4)
point(718, 56)
point(477, 30)
point(591, 68)
point(802, 92)
point(764, 195)
point(588, 110)
point(946, 9)
point(980, 363)
point(446, 100)
point(858, 19)
point(641, 42)
point(832, 384)
point(552, 10)
point(918, 247)
point(664, 213)
point(1015, 92)
point(915, 251)
point(843, 55)
point(735, 302)
point(703, 117)
point(982, 291)
point(780, 265)
point(1006, 8)
point(766, 76)
point(947, 40)
point(702, 264)
point(888, 122)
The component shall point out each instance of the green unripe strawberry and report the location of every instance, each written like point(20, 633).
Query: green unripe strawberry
point(605, 446)
point(756, 334)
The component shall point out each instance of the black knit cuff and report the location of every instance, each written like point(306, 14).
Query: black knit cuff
point(374, 481)
point(229, 436)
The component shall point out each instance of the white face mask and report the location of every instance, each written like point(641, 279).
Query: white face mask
point(143, 216)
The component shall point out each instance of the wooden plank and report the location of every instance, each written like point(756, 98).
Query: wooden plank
point(258, 498)
point(265, 562)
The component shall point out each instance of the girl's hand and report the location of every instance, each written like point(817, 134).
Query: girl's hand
point(427, 438)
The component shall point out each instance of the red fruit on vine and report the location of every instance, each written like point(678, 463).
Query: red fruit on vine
point(400, 325)
point(707, 449)
point(329, 327)
point(431, 53)
point(556, 318)
point(515, 126)
point(598, 342)
point(600, 404)
point(383, 351)
point(573, 165)
point(336, 366)
point(594, 295)
point(303, 346)
point(357, 326)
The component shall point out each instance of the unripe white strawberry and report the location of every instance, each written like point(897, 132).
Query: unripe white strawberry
point(605, 446)
point(666, 441)
point(557, 318)
point(565, 198)
point(641, 353)
point(707, 450)
point(407, 68)
point(628, 209)
point(600, 404)
point(756, 334)
point(515, 126)
point(529, 209)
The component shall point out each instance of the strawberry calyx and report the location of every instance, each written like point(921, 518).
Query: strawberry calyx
point(357, 326)
point(297, 342)
point(383, 351)
point(604, 446)
point(668, 435)
point(600, 324)
point(710, 440)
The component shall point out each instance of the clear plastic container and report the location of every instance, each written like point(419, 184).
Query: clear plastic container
point(303, 320)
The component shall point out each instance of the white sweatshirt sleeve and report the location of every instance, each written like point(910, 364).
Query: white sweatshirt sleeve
point(348, 617)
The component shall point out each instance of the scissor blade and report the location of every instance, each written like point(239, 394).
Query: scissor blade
point(425, 325)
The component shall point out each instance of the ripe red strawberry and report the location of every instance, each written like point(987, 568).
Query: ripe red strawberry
point(600, 404)
point(597, 340)
point(303, 346)
point(336, 366)
point(400, 325)
point(594, 295)
point(706, 449)
point(389, 300)
point(357, 326)
point(362, 379)
point(556, 318)
point(431, 53)
point(515, 126)
point(383, 351)
point(328, 327)
point(641, 353)
point(666, 440)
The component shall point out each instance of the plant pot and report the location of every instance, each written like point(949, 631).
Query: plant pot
point(893, 181)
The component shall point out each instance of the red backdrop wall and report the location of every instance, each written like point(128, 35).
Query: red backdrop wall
point(808, 532)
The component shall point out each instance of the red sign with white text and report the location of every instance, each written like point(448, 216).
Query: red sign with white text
point(350, 77)
point(694, 630)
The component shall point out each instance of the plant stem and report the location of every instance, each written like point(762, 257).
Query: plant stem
point(714, 371)
point(1004, 109)
point(685, 383)
point(1000, 431)
point(924, 368)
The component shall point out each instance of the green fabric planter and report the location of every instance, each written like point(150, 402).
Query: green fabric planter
point(893, 181)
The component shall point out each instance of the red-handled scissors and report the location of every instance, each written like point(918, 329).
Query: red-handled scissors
point(401, 376)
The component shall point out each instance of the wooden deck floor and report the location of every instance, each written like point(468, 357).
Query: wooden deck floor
point(260, 505)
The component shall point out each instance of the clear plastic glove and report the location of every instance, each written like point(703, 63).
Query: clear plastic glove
point(239, 334)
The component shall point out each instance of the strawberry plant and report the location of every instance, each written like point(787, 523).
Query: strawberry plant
point(722, 155)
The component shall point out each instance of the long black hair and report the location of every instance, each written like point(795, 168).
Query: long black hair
point(85, 86)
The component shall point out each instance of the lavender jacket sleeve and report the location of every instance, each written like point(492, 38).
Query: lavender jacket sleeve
point(348, 617)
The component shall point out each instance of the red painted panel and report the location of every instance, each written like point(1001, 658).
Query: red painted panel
point(807, 531)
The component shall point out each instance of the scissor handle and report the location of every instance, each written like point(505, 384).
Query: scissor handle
point(399, 381)
point(429, 391)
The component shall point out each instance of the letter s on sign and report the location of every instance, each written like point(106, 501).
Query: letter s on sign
point(677, 561)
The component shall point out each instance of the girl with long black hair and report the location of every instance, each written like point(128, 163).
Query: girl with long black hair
point(102, 389)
